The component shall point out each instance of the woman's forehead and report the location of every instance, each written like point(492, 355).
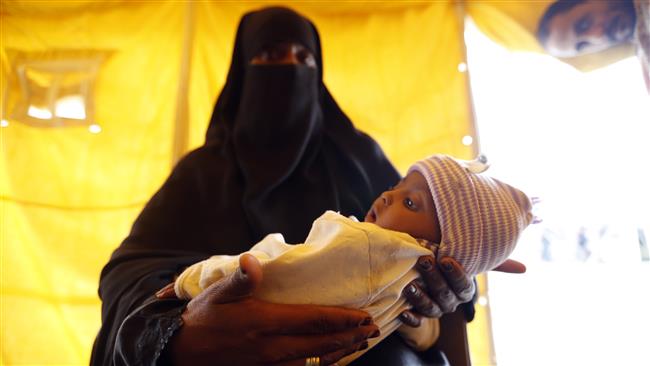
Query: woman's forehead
point(277, 25)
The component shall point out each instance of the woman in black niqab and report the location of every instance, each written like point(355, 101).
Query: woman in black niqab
point(288, 140)
point(278, 153)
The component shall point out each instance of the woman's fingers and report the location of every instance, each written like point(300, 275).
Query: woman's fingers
point(421, 302)
point(287, 348)
point(329, 359)
point(459, 282)
point(225, 325)
point(282, 319)
point(332, 358)
point(410, 318)
point(166, 292)
point(313, 319)
point(258, 332)
point(438, 289)
point(447, 286)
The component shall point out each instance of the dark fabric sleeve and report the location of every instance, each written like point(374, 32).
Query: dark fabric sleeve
point(133, 322)
point(144, 334)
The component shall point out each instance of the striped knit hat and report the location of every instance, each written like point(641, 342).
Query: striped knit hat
point(480, 217)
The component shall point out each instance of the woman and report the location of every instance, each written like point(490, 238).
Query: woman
point(278, 152)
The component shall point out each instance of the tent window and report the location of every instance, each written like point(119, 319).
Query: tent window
point(52, 89)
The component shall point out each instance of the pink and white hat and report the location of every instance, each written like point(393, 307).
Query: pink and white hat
point(480, 217)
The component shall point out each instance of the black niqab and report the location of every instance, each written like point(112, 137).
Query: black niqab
point(291, 142)
point(278, 153)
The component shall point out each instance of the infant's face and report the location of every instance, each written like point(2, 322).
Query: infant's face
point(591, 26)
point(408, 208)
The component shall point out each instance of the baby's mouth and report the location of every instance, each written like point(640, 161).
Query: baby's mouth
point(371, 216)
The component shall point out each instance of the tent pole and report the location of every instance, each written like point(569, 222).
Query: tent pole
point(480, 334)
point(182, 120)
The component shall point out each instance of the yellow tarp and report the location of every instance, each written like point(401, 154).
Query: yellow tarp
point(68, 197)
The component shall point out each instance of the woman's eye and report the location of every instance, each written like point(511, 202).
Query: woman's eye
point(276, 55)
point(306, 58)
point(263, 56)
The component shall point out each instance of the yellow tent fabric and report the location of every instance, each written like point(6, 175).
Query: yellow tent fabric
point(510, 23)
point(68, 197)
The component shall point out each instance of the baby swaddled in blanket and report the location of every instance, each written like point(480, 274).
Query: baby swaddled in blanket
point(443, 206)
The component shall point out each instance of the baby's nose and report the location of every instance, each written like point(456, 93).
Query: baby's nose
point(386, 198)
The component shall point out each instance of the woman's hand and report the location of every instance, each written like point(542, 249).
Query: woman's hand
point(442, 288)
point(224, 325)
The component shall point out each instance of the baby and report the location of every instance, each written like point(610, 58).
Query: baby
point(442, 206)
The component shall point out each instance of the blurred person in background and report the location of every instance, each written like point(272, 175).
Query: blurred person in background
point(571, 28)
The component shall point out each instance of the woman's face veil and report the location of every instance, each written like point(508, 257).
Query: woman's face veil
point(257, 30)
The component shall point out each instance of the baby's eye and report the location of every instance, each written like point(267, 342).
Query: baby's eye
point(409, 203)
